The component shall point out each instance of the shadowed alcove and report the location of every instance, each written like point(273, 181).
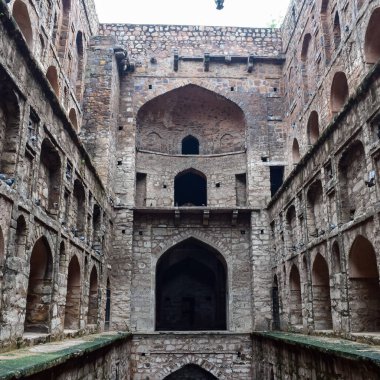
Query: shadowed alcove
point(190, 372)
point(190, 188)
point(191, 286)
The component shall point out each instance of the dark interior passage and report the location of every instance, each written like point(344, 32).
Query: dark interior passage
point(276, 178)
point(190, 372)
point(191, 289)
point(190, 189)
point(190, 145)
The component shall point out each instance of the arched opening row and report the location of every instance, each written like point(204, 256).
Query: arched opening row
point(40, 290)
point(363, 290)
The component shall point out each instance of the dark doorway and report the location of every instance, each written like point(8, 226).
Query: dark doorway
point(275, 305)
point(190, 145)
point(191, 289)
point(191, 372)
point(190, 189)
point(108, 307)
point(276, 178)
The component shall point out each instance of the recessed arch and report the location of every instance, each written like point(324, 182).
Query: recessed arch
point(79, 43)
point(364, 286)
point(372, 38)
point(93, 303)
point(73, 119)
point(314, 211)
point(337, 31)
point(198, 110)
point(295, 296)
point(321, 294)
point(38, 300)
point(313, 127)
point(79, 200)
point(190, 145)
point(73, 295)
point(190, 188)
point(275, 304)
point(335, 258)
point(52, 77)
point(191, 371)
point(339, 92)
point(21, 15)
point(291, 224)
point(296, 156)
point(107, 311)
point(191, 288)
point(20, 238)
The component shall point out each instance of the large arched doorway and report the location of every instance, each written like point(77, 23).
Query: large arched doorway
point(191, 289)
point(190, 372)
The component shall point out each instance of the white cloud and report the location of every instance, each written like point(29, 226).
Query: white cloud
point(253, 13)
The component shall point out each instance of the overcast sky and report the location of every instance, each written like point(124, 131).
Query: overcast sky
point(254, 13)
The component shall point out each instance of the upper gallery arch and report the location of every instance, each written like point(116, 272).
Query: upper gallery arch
point(194, 110)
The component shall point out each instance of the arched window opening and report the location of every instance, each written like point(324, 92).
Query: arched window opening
point(353, 190)
point(80, 57)
point(93, 298)
point(295, 296)
point(321, 294)
point(326, 30)
point(364, 287)
point(73, 119)
point(191, 371)
point(50, 177)
point(20, 240)
point(296, 152)
point(73, 295)
point(335, 253)
point(21, 15)
point(339, 92)
point(190, 189)
point(336, 31)
point(62, 258)
point(107, 314)
point(315, 215)
point(306, 63)
point(52, 77)
point(275, 304)
point(9, 129)
point(96, 224)
point(190, 145)
point(313, 127)
point(38, 300)
point(291, 222)
point(372, 38)
point(79, 208)
point(191, 289)
point(64, 27)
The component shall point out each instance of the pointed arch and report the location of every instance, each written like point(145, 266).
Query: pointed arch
point(191, 288)
point(38, 300)
point(295, 296)
point(339, 92)
point(305, 66)
point(335, 258)
point(93, 302)
point(321, 294)
point(364, 286)
point(21, 234)
point(73, 295)
point(315, 214)
point(190, 188)
point(79, 208)
point(372, 38)
point(313, 127)
point(337, 31)
point(296, 156)
point(191, 371)
point(52, 77)
point(21, 15)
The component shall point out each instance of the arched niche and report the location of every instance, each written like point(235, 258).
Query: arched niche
point(296, 156)
point(315, 214)
point(190, 188)
point(197, 110)
point(38, 300)
point(372, 38)
point(191, 371)
point(313, 127)
point(93, 304)
point(190, 145)
point(295, 296)
point(21, 15)
point(275, 304)
point(337, 33)
point(52, 77)
point(321, 294)
point(79, 208)
point(191, 288)
point(73, 295)
point(73, 119)
point(107, 311)
point(339, 92)
point(364, 286)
